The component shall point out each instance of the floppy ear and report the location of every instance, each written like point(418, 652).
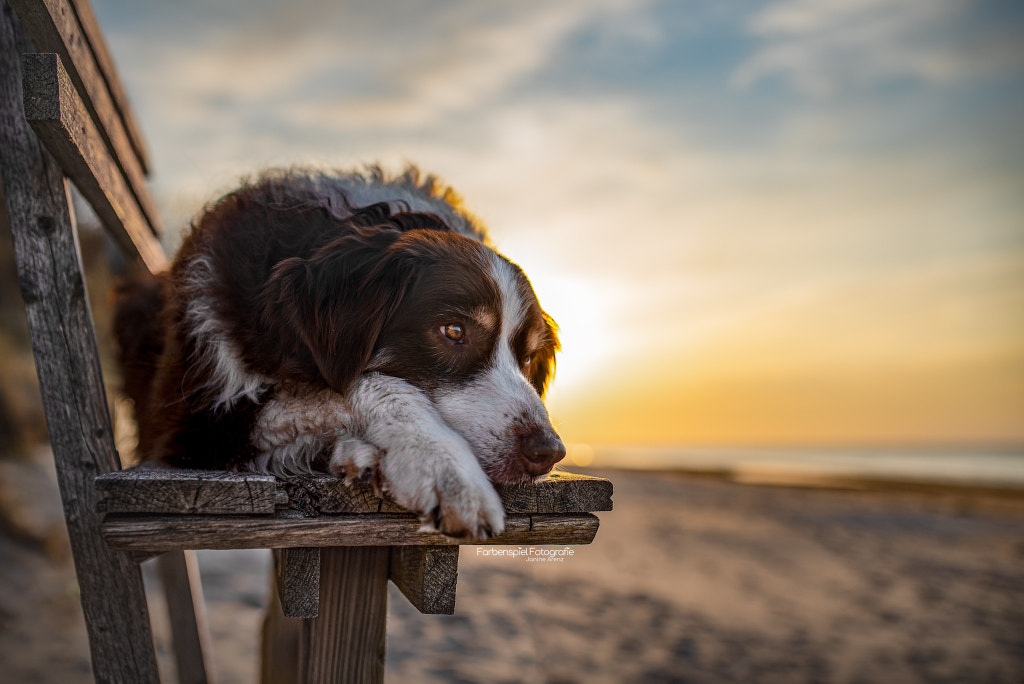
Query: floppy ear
point(339, 300)
point(542, 368)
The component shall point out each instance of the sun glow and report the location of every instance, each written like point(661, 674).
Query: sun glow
point(579, 454)
point(582, 328)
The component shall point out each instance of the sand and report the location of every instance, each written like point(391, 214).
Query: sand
point(689, 580)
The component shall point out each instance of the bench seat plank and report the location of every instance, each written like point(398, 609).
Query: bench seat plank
point(561, 492)
point(290, 529)
point(163, 490)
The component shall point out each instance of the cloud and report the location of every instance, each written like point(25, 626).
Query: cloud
point(226, 88)
point(363, 69)
point(825, 48)
point(696, 225)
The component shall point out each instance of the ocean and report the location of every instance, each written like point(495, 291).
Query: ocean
point(983, 466)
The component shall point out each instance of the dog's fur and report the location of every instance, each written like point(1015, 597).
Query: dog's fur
point(349, 323)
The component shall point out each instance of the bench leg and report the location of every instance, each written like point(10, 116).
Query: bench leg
point(179, 574)
point(346, 641)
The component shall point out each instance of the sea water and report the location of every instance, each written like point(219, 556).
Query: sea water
point(978, 466)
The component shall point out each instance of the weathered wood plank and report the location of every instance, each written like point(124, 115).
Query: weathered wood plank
point(179, 574)
point(94, 36)
point(427, 576)
point(58, 116)
point(55, 27)
point(53, 290)
point(559, 493)
point(287, 529)
point(143, 556)
point(143, 490)
point(346, 641)
point(297, 575)
point(560, 529)
point(165, 490)
point(326, 495)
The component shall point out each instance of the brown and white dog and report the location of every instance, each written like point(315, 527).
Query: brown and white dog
point(349, 323)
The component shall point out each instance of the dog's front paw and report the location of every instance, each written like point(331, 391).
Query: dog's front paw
point(466, 510)
point(448, 491)
point(353, 460)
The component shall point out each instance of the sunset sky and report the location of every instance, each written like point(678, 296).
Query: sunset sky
point(776, 222)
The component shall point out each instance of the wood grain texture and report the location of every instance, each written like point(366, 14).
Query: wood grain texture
point(55, 27)
point(179, 575)
point(164, 490)
point(559, 493)
point(143, 556)
point(53, 290)
point(326, 495)
point(150, 490)
point(286, 529)
point(297, 579)
point(427, 576)
point(60, 119)
point(346, 641)
point(98, 45)
point(580, 528)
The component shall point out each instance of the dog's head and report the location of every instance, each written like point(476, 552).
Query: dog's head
point(405, 296)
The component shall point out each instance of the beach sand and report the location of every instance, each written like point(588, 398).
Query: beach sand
point(689, 580)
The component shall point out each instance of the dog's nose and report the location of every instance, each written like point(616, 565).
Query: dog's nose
point(540, 450)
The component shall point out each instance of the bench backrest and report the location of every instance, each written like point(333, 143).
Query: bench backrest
point(75, 103)
point(76, 107)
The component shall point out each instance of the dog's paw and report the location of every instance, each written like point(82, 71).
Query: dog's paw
point(466, 512)
point(448, 491)
point(353, 460)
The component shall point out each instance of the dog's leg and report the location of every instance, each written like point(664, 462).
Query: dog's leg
point(387, 433)
point(426, 466)
point(295, 431)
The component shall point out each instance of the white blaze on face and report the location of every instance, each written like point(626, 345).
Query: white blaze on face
point(499, 405)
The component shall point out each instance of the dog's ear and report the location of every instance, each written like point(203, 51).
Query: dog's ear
point(340, 299)
point(542, 365)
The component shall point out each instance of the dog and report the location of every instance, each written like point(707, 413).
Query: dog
point(353, 323)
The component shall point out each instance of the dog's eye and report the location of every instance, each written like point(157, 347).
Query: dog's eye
point(454, 332)
point(527, 361)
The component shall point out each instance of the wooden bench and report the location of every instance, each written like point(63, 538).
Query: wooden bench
point(335, 546)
